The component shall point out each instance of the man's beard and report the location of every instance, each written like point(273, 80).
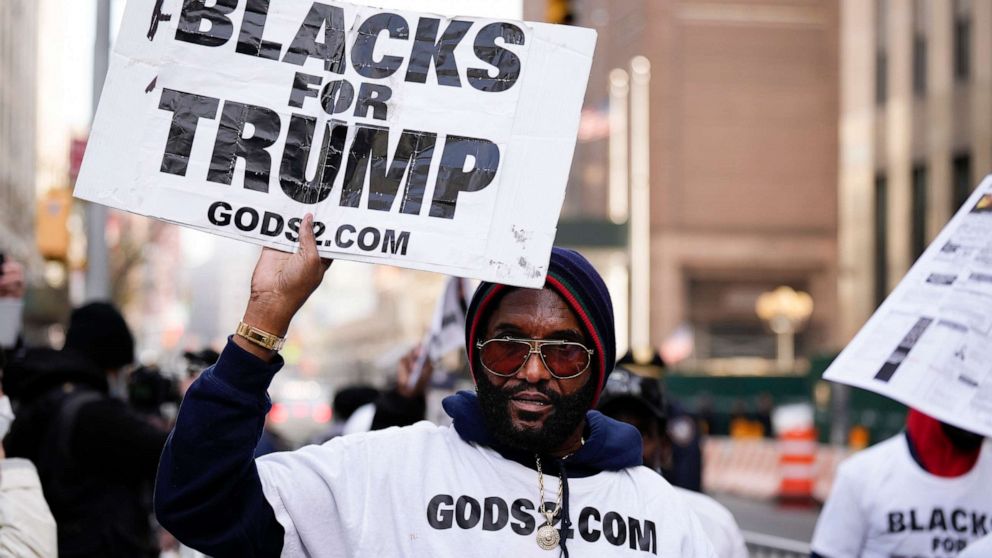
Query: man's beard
point(568, 412)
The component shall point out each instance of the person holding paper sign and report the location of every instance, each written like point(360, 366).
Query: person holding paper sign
point(11, 278)
point(525, 466)
point(926, 493)
point(11, 304)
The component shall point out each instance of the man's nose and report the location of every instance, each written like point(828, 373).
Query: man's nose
point(533, 370)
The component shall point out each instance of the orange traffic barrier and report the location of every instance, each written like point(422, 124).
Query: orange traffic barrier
point(797, 464)
point(757, 468)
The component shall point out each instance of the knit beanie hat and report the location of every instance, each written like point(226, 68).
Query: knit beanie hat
point(580, 285)
point(99, 332)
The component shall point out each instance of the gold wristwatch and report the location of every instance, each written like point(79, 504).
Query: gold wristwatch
point(261, 338)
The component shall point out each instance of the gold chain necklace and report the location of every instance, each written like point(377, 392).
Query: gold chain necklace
point(547, 536)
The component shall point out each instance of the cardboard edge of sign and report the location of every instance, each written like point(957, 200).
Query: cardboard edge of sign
point(941, 414)
point(526, 279)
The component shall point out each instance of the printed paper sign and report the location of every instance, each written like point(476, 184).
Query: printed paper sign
point(417, 140)
point(929, 345)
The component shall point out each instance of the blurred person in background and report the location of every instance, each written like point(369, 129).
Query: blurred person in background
point(12, 281)
point(640, 402)
point(96, 456)
point(196, 363)
point(99, 334)
point(12, 287)
point(685, 440)
point(763, 414)
point(270, 441)
point(27, 528)
point(153, 395)
point(402, 404)
point(346, 401)
point(925, 493)
point(707, 416)
point(683, 463)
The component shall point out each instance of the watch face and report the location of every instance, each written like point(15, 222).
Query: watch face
point(259, 337)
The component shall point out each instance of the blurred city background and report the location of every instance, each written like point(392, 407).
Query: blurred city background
point(752, 177)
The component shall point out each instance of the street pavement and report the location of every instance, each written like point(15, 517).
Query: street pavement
point(770, 518)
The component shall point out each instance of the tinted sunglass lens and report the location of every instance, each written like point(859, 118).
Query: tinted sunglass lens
point(504, 357)
point(565, 360)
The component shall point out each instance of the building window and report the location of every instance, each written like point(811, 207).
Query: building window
point(881, 56)
point(963, 186)
point(962, 40)
point(919, 229)
point(881, 238)
point(920, 19)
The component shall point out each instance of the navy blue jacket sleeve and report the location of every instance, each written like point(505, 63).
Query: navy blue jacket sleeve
point(208, 492)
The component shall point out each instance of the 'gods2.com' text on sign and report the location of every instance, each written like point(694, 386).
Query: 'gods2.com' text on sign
point(417, 140)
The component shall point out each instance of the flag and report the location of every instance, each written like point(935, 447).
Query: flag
point(679, 345)
point(447, 331)
point(594, 124)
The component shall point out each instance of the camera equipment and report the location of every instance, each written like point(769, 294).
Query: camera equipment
point(148, 389)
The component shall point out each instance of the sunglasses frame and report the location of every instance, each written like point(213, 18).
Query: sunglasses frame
point(535, 348)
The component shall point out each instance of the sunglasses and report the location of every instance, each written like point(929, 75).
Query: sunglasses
point(505, 356)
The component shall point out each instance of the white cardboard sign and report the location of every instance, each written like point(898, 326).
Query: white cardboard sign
point(929, 345)
point(421, 141)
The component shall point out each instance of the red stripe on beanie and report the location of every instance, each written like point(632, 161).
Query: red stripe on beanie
point(480, 311)
point(584, 318)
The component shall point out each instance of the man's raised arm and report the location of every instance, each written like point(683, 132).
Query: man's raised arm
point(208, 492)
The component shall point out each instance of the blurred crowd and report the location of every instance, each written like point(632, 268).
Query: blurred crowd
point(85, 425)
point(83, 428)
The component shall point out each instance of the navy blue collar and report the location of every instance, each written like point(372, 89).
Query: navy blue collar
point(610, 445)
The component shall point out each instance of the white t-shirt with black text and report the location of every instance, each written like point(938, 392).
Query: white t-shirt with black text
point(724, 533)
point(979, 549)
point(423, 491)
point(884, 505)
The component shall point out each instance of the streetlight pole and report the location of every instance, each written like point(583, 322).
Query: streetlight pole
point(97, 260)
point(619, 198)
point(619, 146)
point(640, 207)
point(785, 310)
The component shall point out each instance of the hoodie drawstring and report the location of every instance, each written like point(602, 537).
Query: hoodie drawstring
point(566, 521)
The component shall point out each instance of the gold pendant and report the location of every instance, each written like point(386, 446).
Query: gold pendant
point(547, 537)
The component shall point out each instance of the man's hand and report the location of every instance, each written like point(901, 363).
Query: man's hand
point(280, 285)
point(12, 280)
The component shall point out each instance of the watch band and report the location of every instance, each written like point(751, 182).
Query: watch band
point(261, 338)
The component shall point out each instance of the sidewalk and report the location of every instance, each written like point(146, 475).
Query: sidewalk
point(768, 518)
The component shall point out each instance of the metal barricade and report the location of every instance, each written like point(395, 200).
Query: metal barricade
point(760, 545)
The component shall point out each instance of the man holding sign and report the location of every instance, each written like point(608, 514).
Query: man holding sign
point(525, 466)
point(441, 144)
